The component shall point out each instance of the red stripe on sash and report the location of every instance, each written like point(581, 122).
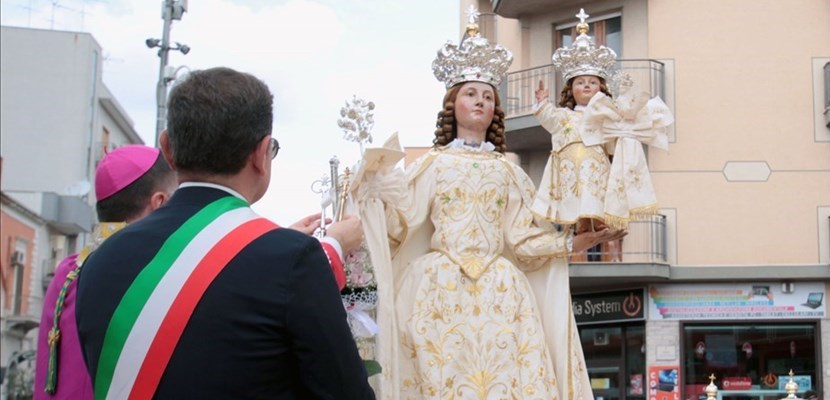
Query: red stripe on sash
point(336, 265)
point(172, 327)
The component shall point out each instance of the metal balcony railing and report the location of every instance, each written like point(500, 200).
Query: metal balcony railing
point(645, 243)
point(518, 91)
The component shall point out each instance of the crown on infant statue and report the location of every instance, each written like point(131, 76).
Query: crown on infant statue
point(584, 57)
point(475, 59)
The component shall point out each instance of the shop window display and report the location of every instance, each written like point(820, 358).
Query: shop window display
point(750, 360)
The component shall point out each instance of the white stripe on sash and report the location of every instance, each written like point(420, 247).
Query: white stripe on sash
point(149, 320)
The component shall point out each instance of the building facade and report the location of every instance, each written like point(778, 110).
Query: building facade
point(731, 277)
point(58, 120)
point(58, 116)
point(23, 237)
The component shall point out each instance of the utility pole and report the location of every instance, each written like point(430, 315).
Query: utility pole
point(171, 10)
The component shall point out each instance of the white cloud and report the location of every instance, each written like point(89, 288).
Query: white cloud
point(313, 55)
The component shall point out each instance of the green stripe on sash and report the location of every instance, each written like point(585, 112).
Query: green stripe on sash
point(145, 283)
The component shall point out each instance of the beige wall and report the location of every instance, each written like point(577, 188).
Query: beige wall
point(743, 92)
point(746, 180)
point(510, 36)
point(747, 174)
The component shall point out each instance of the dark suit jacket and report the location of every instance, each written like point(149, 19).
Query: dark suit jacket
point(270, 326)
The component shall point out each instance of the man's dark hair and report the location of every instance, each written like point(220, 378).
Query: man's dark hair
point(216, 118)
point(130, 201)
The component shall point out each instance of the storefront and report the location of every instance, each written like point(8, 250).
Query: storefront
point(749, 335)
point(612, 330)
point(662, 342)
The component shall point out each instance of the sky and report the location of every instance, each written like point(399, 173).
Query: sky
point(313, 54)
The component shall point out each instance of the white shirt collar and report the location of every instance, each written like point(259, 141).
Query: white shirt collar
point(459, 143)
point(579, 108)
point(214, 186)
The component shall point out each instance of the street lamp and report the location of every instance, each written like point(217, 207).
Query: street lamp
point(171, 73)
point(171, 10)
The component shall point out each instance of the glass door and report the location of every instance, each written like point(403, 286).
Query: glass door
point(615, 358)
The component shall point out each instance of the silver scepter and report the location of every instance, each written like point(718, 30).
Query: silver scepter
point(334, 165)
point(322, 187)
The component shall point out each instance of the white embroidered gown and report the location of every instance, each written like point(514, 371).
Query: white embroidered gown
point(467, 321)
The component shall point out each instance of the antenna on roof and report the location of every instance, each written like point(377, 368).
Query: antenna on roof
point(57, 5)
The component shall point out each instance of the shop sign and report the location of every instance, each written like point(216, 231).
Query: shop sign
point(804, 382)
point(663, 382)
point(737, 301)
point(737, 383)
point(621, 305)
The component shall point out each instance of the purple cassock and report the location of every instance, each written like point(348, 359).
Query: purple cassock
point(73, 379)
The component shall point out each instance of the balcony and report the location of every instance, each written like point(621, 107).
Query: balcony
point(519, 92)
point(68, 215)
point(518, 8)
point(18, 325)
point(644, 257)
point(645, 243)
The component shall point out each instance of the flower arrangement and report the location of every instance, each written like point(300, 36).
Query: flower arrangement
point(360, 293)
point(360, 298)
point(357, 121)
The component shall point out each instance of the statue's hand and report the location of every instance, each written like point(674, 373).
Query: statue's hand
point(348, 232)
point(541, 92)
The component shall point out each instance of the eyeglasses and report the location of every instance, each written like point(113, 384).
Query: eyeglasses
point(275, 147)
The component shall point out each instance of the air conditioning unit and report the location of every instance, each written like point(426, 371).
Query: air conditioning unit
point(18, 257)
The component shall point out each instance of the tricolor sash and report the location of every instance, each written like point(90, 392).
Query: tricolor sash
point(152, 314)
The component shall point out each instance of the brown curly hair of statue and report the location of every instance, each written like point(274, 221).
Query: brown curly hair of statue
point(445, 131)
point(566, 96)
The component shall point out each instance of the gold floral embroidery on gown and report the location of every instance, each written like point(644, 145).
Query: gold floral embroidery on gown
point(574, 182)
point(468, 320)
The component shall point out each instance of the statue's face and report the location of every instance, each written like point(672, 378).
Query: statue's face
point(584, 87)
point(474, 106)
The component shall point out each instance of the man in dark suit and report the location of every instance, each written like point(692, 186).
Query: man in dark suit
point(203, 299)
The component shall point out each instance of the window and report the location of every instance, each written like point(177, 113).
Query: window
point(750, 358)
point(18, 262)
point(105, 139)
point(606, 31)
point(104, 146)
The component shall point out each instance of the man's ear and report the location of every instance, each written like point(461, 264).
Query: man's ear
point(166, 151)
point(261, 155)
point(157, 199)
